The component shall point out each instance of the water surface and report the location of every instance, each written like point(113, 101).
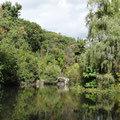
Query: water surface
point(53, 103)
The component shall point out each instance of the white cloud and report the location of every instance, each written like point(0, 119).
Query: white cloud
point(64, 16)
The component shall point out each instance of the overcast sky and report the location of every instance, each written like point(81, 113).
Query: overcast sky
point(64, 16)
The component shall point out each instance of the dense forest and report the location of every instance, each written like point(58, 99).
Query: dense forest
point(29, 53)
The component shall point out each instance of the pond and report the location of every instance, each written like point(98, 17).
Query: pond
point(53, 103)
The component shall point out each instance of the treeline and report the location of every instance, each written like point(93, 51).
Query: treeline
point(29, 53)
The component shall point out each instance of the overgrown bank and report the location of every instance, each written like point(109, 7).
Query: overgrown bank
point(29, 53)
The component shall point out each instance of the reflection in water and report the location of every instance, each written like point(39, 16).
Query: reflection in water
point(52, 103)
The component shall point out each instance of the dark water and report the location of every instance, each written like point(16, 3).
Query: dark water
point(52, 103)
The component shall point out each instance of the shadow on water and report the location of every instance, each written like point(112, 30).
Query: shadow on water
point(53, 103)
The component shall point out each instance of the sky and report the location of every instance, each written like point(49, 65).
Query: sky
point(62, 16)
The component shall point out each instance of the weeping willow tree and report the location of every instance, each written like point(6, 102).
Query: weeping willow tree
point(103, 22)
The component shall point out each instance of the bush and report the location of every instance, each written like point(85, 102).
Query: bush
point(51, 73)
point(73, 73)
point(89, 77)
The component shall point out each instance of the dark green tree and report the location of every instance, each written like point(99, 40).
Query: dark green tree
point(13, 11)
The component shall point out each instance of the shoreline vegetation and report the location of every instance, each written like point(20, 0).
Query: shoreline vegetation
point(29, 53)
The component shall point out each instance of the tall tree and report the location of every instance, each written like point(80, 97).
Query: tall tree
point(103, 22)
point(10, 10)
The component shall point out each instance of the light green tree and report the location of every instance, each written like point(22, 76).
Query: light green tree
point(103, 22)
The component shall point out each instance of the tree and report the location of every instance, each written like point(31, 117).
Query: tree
point(34, 34)
point(104, 36)
point(10, 10)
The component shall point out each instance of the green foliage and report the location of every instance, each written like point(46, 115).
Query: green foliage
point(10, 10)
point(89, 107)
point(80, 46)
point(102, 51)
point(28, 52)
point(91, 97)
point(104, 35)
point(105, 81)
point(90, 72)
point(51, 73)
point(118, 76)
point(34, 34)
point(73, 73)
point(91, 84)
point(118, 81)
point(89, 77)
point(59, 57)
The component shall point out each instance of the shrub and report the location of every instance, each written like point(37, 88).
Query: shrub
point(89, 77)
point(73, 73)
point(51, 73)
